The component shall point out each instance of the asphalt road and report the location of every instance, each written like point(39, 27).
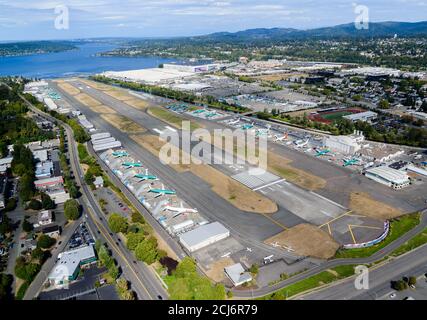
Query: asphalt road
point(412, 264)
point(143, 279)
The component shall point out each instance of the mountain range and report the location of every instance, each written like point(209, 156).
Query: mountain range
point(377, 29)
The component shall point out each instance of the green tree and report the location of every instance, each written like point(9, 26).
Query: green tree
point(71, 209)
point(34, 204)
point(27, 271)
point(133, 239)
point(47, 202)
point(113, 271)
point(27, 226)
point(412, 281)
point(384, 104)
point(45, 242)
point(117, 223)
point(146, 251)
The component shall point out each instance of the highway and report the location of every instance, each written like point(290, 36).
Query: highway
point(413, 263)
point(143, 280)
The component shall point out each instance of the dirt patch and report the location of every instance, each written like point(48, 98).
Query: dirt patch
point(68, 88)
point(123, 123)
point(87, 100)
point(233, 191)
point(119, 94)
point(216, 271)
point(306, 240)
point(362, 203)
point(281, 166)
point(103, 109)
point(85, 167)
point(230, 190)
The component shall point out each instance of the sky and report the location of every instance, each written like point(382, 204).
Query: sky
point(44, 19)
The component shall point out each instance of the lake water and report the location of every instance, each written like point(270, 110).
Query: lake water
point(72, 63)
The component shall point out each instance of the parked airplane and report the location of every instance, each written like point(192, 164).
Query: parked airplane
point(119, 154)
point(322, 152)
point(262, 132)
point(301, 144)
point(129, 165)
point(180, 210)
point(350, 162)
point(281, 138)
point(247, 126)
point(249, 249)
point(162, 191)
point(210, 115)
point(232, 122)
point(145, 176)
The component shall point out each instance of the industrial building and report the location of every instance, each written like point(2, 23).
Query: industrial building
point(204, 236)
point(237, 274)
point(344, 144)
point(70, 263)
point(393, 178)
point(367, 116)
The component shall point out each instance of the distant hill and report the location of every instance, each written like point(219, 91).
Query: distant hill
point(378, 29)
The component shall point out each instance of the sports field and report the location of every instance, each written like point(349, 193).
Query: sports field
point(333, 115)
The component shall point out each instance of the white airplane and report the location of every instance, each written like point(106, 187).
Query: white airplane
point(301, 144)
point(234, 121)
point(226, 255)
point(249, 249)
point(179, 210)
point(268, 259)
point(275, 244)
point(281, 138)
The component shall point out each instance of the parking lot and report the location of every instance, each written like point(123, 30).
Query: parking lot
point(81, 237)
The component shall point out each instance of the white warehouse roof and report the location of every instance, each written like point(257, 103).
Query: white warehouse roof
point(237, 274)
point(389, 174)
point(69, 261)
point(204, 236)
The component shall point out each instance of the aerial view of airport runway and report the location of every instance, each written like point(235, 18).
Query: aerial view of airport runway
point(296, 205)
point(250, 229)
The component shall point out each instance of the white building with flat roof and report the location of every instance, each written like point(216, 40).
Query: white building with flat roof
point(69, 264)
point(393, 178)
point(343, 144)
point(366, 116)
point(237, 274)
point(204, 236)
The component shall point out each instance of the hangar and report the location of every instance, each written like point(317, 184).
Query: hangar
point(204, 236)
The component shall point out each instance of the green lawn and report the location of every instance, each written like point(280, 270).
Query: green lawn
point(312, 282)
point(171, 118)
point(398, 227)
point(413, 243)
point(335, 116)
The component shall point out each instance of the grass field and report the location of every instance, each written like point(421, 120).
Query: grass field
point(335, 116)
point(312, 282)
point(171, 118)
point(398, 227)
point(413, 243)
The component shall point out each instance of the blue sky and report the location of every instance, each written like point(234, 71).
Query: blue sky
point(35, 19)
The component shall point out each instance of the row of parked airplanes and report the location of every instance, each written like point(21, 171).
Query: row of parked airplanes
point(159, 191)
point(300, 143)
